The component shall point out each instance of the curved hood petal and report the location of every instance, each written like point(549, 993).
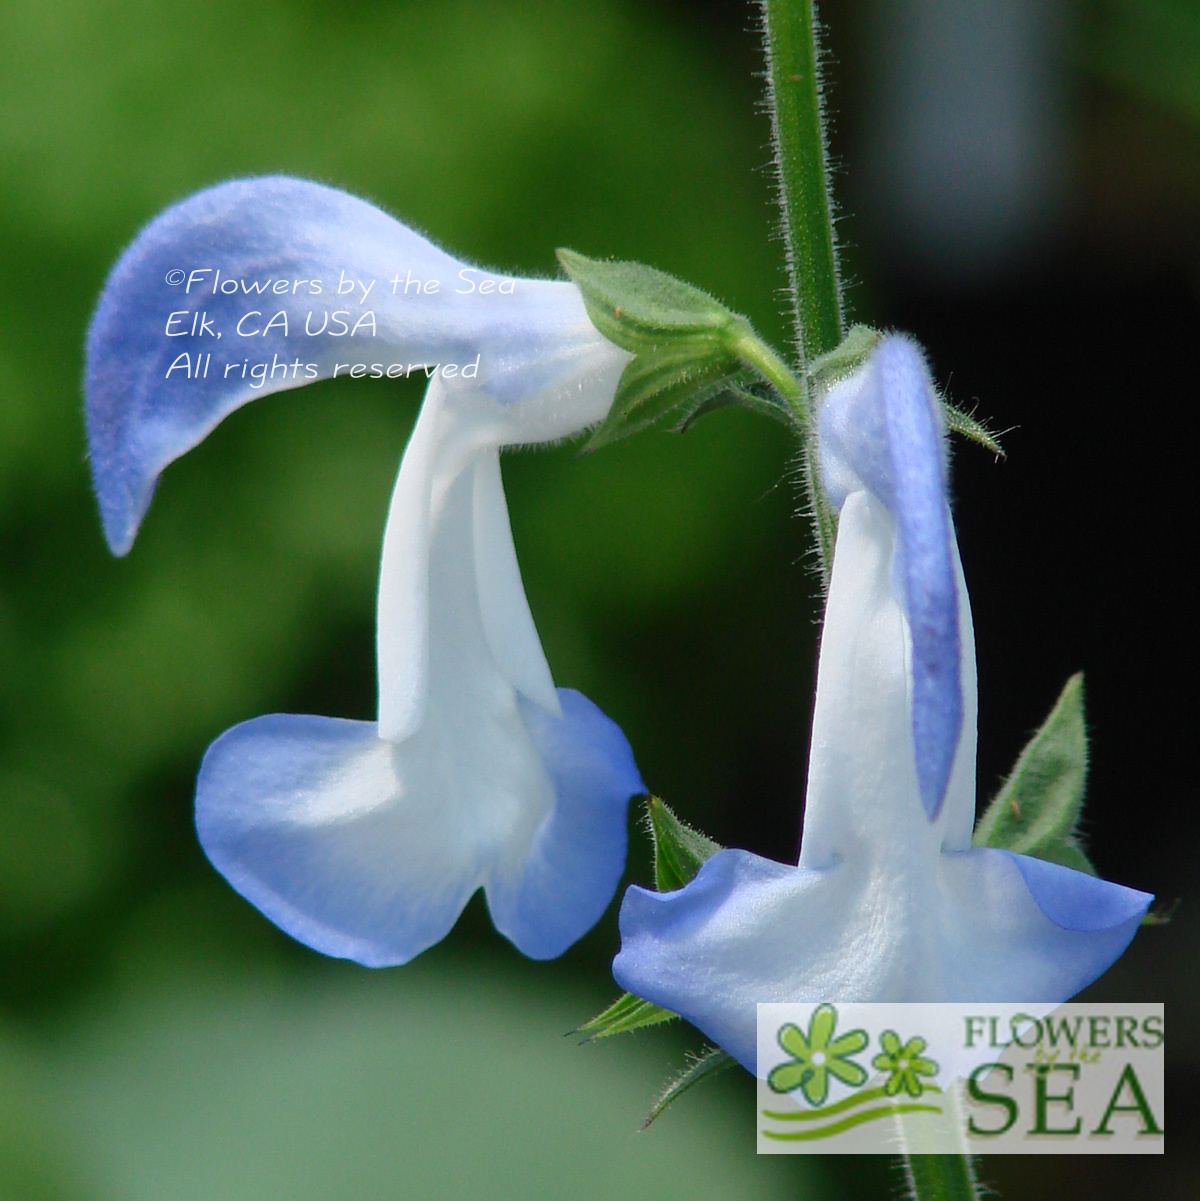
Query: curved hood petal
point(258, 285)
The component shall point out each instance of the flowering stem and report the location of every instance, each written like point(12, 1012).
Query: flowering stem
point(798, 135)
point(940, 1177)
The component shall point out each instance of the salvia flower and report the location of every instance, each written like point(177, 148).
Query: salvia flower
point(889, 902)
point(366, 839)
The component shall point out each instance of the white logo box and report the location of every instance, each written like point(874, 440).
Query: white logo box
point(944, 1079)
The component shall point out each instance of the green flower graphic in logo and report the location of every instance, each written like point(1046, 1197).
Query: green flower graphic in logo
point(816, 1055)
point(905, 1063)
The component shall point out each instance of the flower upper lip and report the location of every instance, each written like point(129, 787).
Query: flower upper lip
point(537, 347)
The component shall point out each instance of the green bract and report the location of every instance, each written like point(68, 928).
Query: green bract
point(679, 853)
point(1037, 811)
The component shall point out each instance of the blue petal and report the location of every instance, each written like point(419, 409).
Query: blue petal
point(1013, 928)
point(980, 925)
point(302, 815)
point(142, 414)
point(880, 430)
point(360, 848)
point(578, 855)
point(1076, 901)
point(714, 949)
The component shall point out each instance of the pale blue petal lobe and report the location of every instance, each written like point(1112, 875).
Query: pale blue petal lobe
point(307, 818)
point(712, 950)
point(146, 405)
point(981, 925)
point(881, 431)
point(1012, 927)
point(552, 898)
point(1076, 901)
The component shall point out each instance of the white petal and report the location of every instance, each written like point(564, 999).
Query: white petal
point(442, 445)
point(507, 622)
point(370, 845)
point(368, 848)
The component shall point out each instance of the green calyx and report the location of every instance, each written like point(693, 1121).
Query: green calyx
point(692, 355)
point(679, 853)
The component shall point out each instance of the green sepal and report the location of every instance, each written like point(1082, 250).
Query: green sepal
point(708, 1063)
point(679, 853)
point(844, 359)
point(970, 427)
point(641, 308)
point(1161, 915)
point(679, 850)
point(655, 384)
point(1037, 810)
point(748, 392)
point(854, 350)
point(626, 1013)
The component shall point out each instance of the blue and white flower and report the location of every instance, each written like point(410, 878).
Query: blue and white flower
point(889, 902)
point(366, 839)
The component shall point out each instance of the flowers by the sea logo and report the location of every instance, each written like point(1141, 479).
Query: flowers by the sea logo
point(947, 1078)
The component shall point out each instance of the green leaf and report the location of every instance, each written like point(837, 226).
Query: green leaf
point(707, 1064)
point(970, 427)
point(1037, 810)
point(626, 1013)
point(679, 850)
point(641, 308)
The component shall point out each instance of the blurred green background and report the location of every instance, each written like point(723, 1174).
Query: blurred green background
point(158, 1039)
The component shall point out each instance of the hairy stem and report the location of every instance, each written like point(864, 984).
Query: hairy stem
point(940, 1177)
point(798, 134)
